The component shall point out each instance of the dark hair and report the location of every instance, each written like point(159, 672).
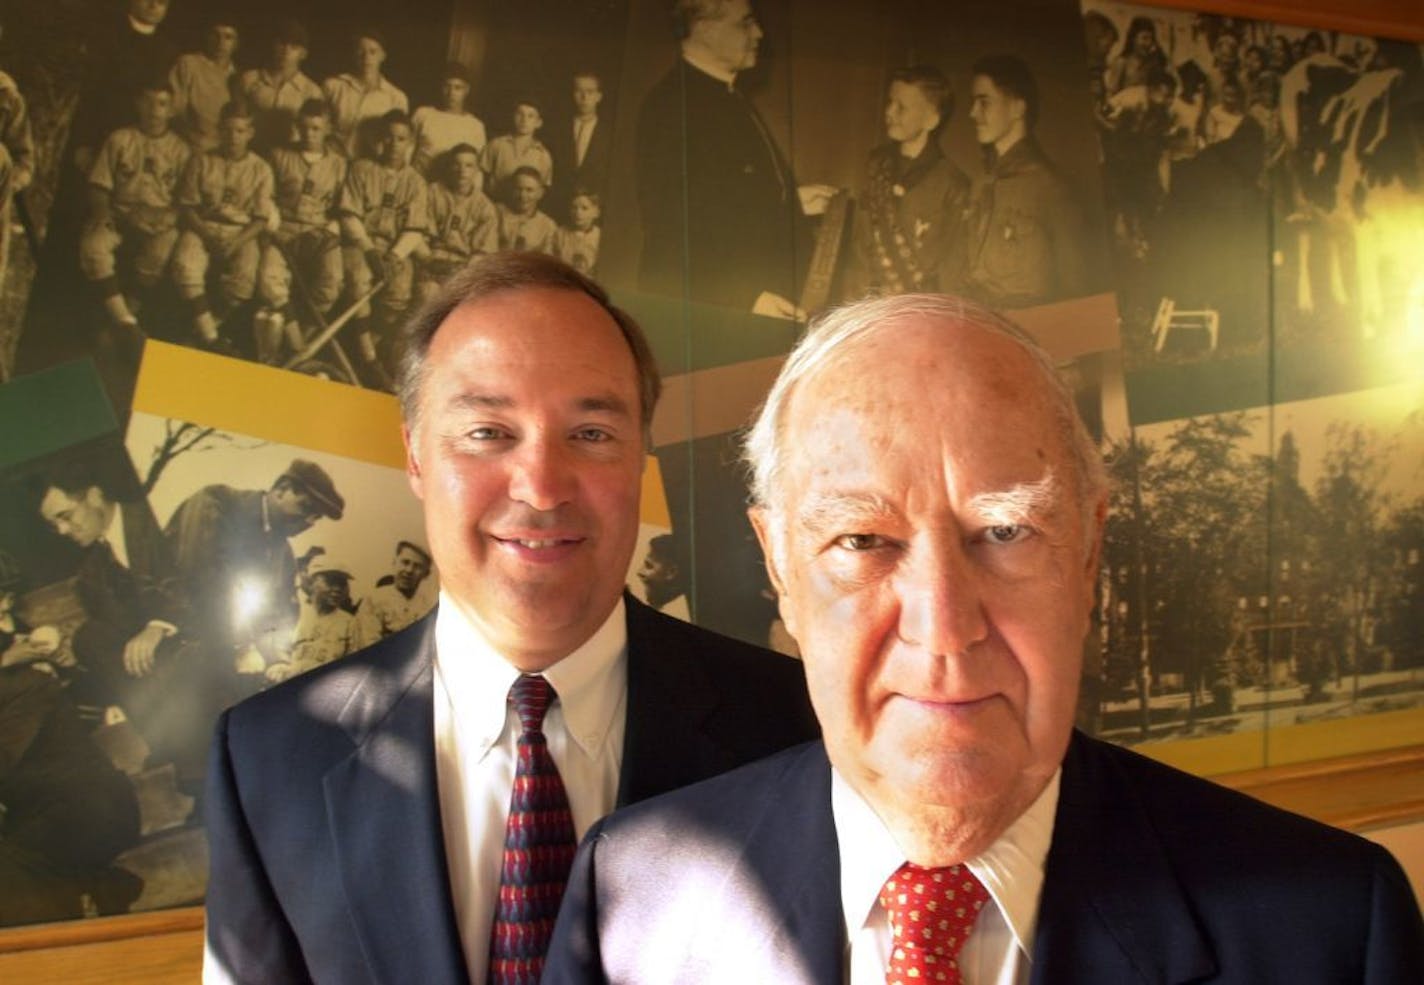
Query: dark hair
point(370, 33)
point(1010, 75)
point(932, 85)
point(583, 191)
point(394, 118)
point(666, 548)
point(154, 83)
point(74, 478)
point(410, 545)
point(314, 107)
point(1135, 27)
point(235, 109)
point(526, 171)
point(495, 274)
point(1157, 75)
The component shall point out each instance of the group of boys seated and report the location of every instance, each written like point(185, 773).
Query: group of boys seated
point(348, 217)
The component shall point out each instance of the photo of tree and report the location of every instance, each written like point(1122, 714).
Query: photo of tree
point(1263, 568)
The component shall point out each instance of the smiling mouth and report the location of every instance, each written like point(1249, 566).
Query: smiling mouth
point(537, 544)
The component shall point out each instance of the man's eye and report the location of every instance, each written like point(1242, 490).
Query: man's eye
point(486, 433)
point(859, 542)
point(593, 434)
point(1005, 533)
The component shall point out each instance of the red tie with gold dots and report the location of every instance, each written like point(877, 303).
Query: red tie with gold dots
point(538, 847)
point(932, 912)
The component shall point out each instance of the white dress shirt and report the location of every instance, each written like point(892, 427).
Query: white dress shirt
point(475, 737)
point(999, 950)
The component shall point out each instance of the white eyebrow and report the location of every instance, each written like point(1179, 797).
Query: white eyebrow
point(834, 508)
point(1017, 504)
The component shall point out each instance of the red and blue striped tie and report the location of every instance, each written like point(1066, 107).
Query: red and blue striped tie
point(538, 847)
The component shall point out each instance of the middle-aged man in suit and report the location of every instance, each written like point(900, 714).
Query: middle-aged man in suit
point(931, 507)
point(357, 815)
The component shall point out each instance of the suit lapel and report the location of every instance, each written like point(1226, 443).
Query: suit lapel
point(790, 865)
point(670, 695)
point(1112, 909)
point(384, 814)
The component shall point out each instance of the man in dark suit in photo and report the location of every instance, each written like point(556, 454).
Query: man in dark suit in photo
point(931, 508)
point(581, 145)
point(723, 218)
point(135, 647)
point(361, 817)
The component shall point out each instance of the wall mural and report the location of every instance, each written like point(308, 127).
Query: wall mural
point(215, 219)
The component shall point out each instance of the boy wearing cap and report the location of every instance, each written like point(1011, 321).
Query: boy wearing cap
point(230, 542)
point(330, 631)
point(438, 129)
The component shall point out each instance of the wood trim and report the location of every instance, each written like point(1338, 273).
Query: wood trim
point(1377, 18)
point(103, 929)
point(1352, 792)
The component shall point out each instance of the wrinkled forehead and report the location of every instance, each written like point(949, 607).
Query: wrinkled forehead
point(935, 381)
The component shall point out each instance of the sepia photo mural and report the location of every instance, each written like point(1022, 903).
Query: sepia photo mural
point(216, 218)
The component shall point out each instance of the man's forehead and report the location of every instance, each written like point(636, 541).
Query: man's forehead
point(928, 355)
point(969, 393)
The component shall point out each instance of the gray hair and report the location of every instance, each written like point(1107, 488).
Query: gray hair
point(840, 328)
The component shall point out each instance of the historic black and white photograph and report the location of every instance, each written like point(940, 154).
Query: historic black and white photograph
point(1263, 568)
point(1265, 188)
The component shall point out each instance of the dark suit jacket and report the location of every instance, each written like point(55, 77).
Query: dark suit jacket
point(591, 175)
point(120, 600)
point(720, 214)
point(219, 535)
point(1153, 876)
point(327, 853)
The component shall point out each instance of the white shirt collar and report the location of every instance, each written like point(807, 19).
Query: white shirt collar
point(1011, 869)
point(589, 681)
point(114, 536)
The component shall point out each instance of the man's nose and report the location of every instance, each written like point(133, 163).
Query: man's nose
point(541, 474)
point(941, 599)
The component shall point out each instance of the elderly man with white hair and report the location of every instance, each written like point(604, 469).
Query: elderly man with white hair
point(931, 508)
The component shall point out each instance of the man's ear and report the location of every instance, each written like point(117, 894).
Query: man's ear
point(412, 463)
point(766, 536)
point(1094, 539)
point(761, 523)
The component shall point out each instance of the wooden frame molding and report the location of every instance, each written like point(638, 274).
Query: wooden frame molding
point(1401, 19)
point(1353, 792)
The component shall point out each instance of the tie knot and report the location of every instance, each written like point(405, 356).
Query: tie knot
point(931, 913)
point(531, 696)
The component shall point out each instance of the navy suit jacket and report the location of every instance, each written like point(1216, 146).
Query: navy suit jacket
point(327, 852)
point(1153, 876)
